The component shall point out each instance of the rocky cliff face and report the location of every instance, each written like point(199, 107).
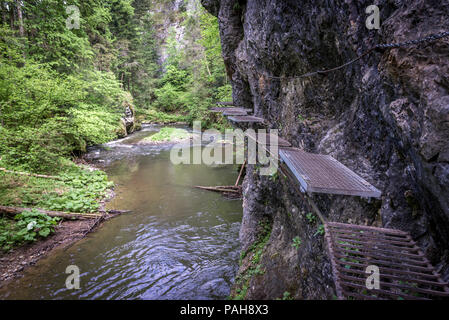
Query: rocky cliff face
point(386, 117)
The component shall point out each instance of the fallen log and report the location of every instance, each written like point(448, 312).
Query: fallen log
point(113, 211)
point(31, 174)
point(231, 189)
point(13, 211)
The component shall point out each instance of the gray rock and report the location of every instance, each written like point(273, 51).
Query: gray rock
point(386, 117)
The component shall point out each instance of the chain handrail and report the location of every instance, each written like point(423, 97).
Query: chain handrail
point(430, 38)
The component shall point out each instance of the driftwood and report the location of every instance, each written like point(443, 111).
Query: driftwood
point(231, 189)
point(240, 174)
point(31, 174)
point(12, 211)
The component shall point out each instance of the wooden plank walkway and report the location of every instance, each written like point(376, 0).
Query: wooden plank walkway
point(319, 173)
point(404, 271)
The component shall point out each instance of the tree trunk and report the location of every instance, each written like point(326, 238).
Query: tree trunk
point(4, 13)
point(20, 18)
point(11, 16)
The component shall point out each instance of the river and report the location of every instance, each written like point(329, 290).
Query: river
point(178, 242)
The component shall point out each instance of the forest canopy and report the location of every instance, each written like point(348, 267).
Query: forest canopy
point(64, 87)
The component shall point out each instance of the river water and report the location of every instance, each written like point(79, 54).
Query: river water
point(178, 242)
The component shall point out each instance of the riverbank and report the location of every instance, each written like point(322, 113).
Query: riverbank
point(85, 192)
point(14, 263)
point(179, 242)
point(65, 192)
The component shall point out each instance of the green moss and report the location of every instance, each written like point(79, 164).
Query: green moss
point(255, 268)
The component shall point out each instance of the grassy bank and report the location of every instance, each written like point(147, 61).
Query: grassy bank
point(76, 189)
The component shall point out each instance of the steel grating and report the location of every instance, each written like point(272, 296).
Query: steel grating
point(235, 113)
point(225, 103)
point(319, 173)
point(226, 109)
point(404, 271)
point(268, 138)
point(248, 119)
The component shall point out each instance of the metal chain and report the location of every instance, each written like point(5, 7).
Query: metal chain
point(430, 38)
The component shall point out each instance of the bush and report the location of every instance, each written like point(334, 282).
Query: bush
point(28, 227)
point(167, 98)
point(45, 116)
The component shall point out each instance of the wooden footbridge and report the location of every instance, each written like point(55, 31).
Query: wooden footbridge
point(404, 271)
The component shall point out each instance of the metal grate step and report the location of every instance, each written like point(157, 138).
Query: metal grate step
point(404, 271)
point(319, 173)
point(227, 109)
point(225, 103)
point(235, 113)
point(268, 138)
point(247, 119)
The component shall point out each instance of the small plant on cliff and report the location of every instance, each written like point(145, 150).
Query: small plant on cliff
point(274, 176)
point(255, 267)
point(319, 230)
point(311, 217)
point(287, 296)
point(296, 242)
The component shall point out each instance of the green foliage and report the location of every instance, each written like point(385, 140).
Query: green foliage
point(287, 296)
point(296, 242)
point(80, 190)
point(162, 117)
point(46, 117)
point(170, 134)
point(28, 227)
point(255, 268)
point(194, 77)
point(85, 188)
point(320, 230)
point(311, 218)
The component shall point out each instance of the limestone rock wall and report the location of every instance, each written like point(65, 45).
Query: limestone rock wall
point(386, 117)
